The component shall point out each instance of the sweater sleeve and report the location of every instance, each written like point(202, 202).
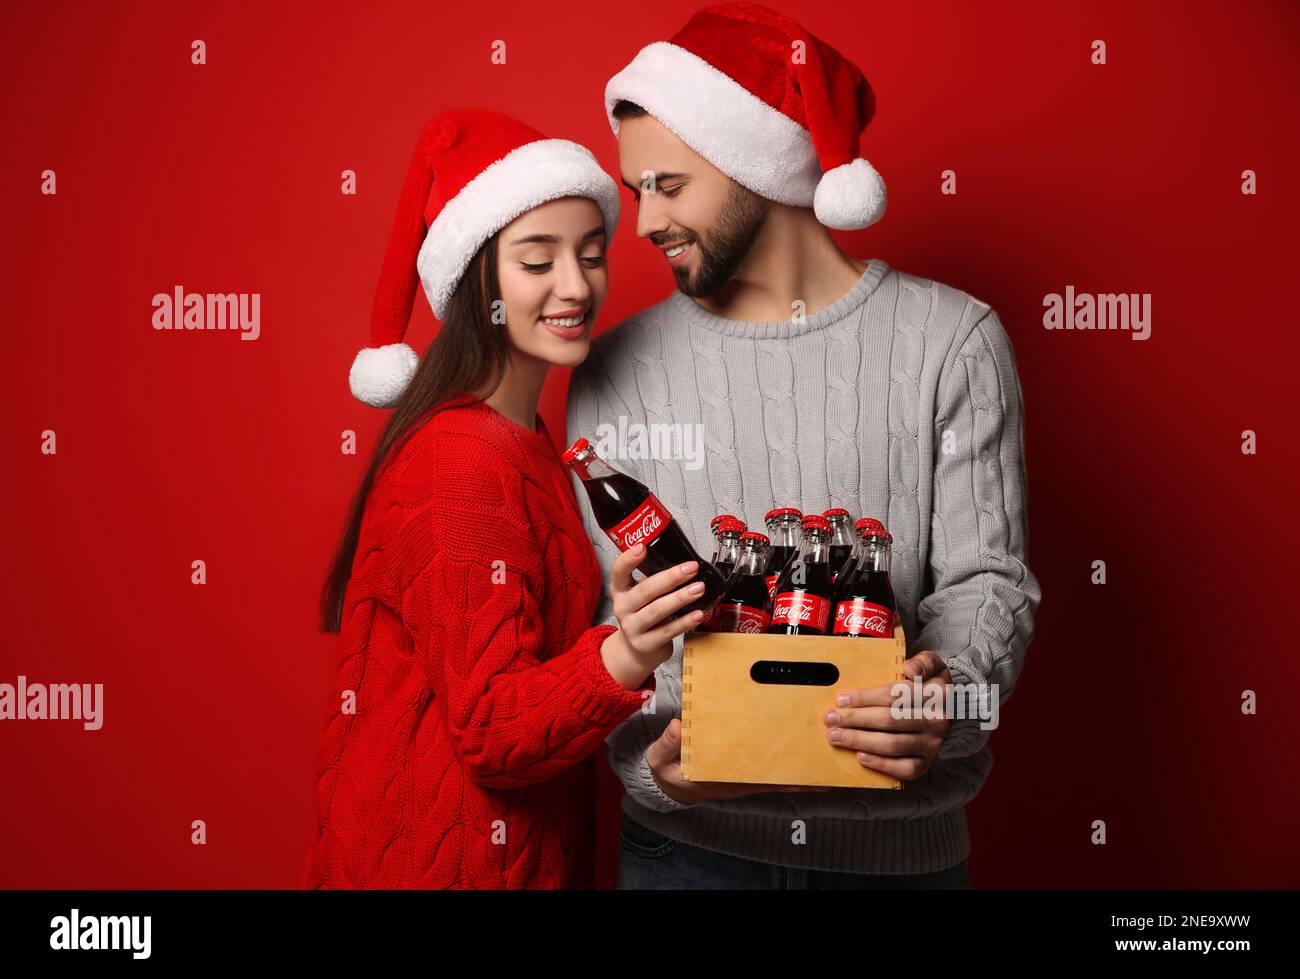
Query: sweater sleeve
point(593, 402)
point(979, 617)
point(516, 717)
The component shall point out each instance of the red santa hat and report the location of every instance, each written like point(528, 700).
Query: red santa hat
point(474, 171)
point(773, 107)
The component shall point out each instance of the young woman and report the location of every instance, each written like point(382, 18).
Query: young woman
point(471, 690)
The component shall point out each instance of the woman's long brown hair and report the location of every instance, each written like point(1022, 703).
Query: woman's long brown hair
point(469, 354)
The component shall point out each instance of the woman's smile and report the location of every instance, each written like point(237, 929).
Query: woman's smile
point(569, 324)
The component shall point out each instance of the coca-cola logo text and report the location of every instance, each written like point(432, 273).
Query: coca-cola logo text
point(642, 525)
point(863, 619)
point(742, 618)
point(801, 608)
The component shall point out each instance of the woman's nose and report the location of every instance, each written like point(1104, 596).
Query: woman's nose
point(571, 283)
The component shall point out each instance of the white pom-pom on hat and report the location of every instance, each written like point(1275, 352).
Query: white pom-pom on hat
point(379, 375)
point(850, 196)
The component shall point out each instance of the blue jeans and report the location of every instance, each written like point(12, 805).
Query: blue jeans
point(650, 861)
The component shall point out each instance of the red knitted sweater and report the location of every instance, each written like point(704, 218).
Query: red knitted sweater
point(469, 694)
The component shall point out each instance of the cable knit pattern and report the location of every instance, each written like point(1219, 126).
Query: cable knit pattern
point(847, 407)
point(480, 693)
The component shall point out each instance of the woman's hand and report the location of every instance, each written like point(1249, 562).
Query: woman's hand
point(646, 612)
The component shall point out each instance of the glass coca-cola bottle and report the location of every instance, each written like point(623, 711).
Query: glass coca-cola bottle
point(842, 538)
point(783, 530)
point(713, 529)
point(728, 531)
point(630, 514)
point(864, 598)
point(744, 607)
point(855, 554)
point(802, 603)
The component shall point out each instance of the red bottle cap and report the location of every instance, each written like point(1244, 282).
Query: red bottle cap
point(814, 522)
point(573, 451)
point(713, 524)
point(730, 524)
point(755, 535)
point(836, 512)
point(870, 527)
point(780, 512)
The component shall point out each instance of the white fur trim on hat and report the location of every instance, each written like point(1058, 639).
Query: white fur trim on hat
point(754, 144)
point(379, 375)
point(529, 175)
point(850, 196)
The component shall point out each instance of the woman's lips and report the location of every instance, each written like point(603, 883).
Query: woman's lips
point(566, 332)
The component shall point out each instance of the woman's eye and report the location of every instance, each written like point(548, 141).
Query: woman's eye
point(594, 261)
point(536, 269)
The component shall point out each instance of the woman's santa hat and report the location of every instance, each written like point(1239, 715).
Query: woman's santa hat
point(767, 103)
point(474, 171)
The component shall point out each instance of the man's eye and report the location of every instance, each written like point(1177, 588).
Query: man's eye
point(536, 269)
point(671, 193)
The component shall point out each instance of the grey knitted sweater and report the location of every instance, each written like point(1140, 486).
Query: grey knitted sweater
point(898, 401)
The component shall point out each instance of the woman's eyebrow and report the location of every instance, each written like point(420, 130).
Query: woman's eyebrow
point(540, 239)
point(537, 240)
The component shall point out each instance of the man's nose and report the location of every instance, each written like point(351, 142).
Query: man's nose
point(649, 216)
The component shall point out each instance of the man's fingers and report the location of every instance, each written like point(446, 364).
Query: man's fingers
point(924, 664)
point(904, 768)
point(878, 742)
point(873, 718)
point(881, 696)
point(667, 748)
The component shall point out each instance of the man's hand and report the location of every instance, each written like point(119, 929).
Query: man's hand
point(904, 747)
point(665, 758)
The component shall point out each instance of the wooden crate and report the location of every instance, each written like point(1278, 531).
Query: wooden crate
point(737, 728)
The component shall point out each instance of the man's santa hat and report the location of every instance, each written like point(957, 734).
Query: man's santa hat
point(474, 171)
point(767, 103)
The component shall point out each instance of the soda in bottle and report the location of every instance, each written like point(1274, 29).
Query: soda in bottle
point(630, 514)
point(842, 538)
point(744, 607)
point(864, 597)
point(784, 533)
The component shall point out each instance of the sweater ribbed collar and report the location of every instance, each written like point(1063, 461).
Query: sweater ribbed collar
point(783, 329)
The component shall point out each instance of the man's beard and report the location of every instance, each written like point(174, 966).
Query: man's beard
point(724, 246)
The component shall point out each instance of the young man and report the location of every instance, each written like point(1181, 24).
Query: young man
point(817, 381)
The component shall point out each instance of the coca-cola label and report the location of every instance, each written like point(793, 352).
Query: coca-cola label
point(642, 525)
point(859, 618)
point(771, 585)
point(740, 618)
point(801, 608)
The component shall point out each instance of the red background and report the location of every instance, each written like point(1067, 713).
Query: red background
point(177, 446)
